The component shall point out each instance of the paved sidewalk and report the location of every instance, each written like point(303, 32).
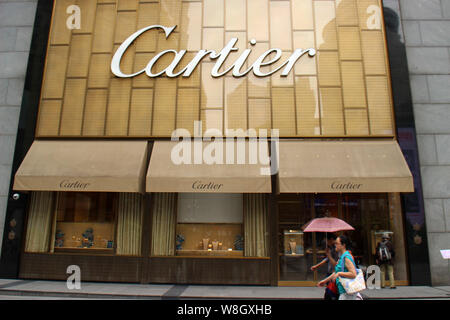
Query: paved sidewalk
point(33, 289)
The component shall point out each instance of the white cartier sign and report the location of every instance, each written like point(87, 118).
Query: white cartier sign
point(220, 57)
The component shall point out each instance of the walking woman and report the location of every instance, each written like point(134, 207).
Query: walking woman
point(345, 268)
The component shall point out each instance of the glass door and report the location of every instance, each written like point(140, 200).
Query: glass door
point(296, 248)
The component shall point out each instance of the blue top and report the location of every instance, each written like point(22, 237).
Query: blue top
point(340, 267)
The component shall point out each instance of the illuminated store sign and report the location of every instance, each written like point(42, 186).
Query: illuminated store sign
point(213, 55)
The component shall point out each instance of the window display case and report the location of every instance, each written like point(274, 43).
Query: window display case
point(84, 221)
point(209, 239)
point(293, 243)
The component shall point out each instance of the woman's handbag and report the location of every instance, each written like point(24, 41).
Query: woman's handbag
point(353, 285)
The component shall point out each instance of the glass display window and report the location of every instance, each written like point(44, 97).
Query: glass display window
point(209, 225)
point(85, 221)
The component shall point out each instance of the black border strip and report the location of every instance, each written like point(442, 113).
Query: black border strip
point(16, 209)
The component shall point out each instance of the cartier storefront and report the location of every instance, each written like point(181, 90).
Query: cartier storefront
point(191, 141)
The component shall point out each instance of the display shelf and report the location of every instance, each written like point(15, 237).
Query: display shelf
point(212, 253)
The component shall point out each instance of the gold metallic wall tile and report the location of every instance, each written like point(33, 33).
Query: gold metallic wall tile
point(127, 4)
point(305, 65)
point(49, 115)
point(212, 88)
point(370, 14)
point(188, 108)
point(100, 70)
point(235, 103)
point(212, 119)
point(283, 111)
point(347, 12)
point(88, 9)
point(213, 39)
point(307, 104)
point(349, 43)
point(171, 43)
point(302, 15)
point(356, 122)
point(235, 14)
point(73, 107)
point(163, 122)
point(141, 112)
point(118, 107)
point(329, 71)
point(125, 26)
point(55, 72)
point(191, 26)
point(380, 106)
point(104, 30)
point(325, 21)
point(213, 13)
point(95, 112)
point(170, 11)
point(80, 52)
point(374, 52)
point(353, 84)
point(258, 20)
point(60, 34)
point(147, 16)
point(259, 114)
point(280, 25)
point(331, 112)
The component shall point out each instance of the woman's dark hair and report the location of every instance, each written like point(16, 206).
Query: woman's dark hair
point(345, 241)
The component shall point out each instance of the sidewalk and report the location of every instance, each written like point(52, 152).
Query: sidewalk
point(93, 290)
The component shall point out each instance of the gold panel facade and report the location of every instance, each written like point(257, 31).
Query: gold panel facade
point(342, 91)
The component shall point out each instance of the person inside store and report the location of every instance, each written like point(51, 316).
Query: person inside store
point(384, 258)
point(345, 268)
point(330, 259)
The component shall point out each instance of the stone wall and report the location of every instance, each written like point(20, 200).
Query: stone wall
point(426, 27)
point(16, 28)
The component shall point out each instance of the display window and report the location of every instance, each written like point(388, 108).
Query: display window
point(85, 220)
point(210, 225)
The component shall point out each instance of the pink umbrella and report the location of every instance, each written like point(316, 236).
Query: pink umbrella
point(326, 225)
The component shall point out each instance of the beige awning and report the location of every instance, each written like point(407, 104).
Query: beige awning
point(96, 166)
point(343, 166)
point(164, 175)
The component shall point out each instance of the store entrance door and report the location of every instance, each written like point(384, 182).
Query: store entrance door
point(369, 214)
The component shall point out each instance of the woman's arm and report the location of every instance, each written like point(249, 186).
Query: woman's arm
point(326, 280)
point(321, 263)
point(351, 274)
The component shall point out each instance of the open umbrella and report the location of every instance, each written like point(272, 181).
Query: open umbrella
point(327, 224)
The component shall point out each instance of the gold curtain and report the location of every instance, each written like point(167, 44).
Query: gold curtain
point(39, 222)
point(129, 223)
point(164, 224)
point(255, 225)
